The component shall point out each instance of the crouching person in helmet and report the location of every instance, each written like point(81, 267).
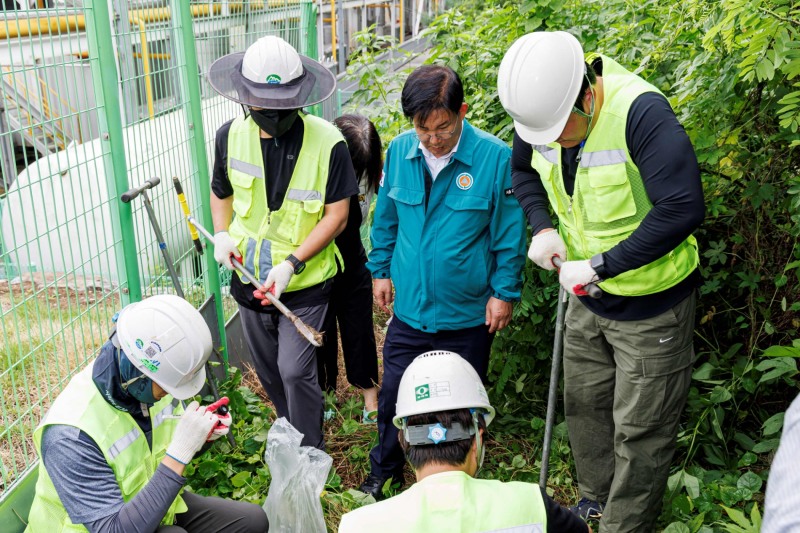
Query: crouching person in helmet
point(114, 444)
point(442, 414)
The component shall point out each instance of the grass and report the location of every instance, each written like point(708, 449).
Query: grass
point(50, 329)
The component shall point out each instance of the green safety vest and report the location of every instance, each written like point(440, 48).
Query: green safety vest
point(454, 501)
point(118, 436)
point(609, 200)
point(266, 238)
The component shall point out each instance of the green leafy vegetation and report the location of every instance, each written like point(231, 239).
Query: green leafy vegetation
point(732, 73)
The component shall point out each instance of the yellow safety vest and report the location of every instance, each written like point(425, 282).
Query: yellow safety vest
point(118, 436)
point(266, 238)
point(609, 200)
point(454, 501)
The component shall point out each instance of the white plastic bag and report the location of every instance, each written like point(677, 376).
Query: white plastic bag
point(298, 477)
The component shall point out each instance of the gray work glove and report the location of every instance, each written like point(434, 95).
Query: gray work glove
point(544, 246)
point(194, 429)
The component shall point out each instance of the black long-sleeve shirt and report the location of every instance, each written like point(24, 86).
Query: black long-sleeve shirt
point(660, 148)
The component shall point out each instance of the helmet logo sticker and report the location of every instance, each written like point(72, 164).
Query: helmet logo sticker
point(437, 433)
point(464, 181)
point(436, 389)
point(422, 392)
point(151, 364)
point(139, 343)
point(273, 79)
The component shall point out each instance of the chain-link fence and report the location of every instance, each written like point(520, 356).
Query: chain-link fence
point(98, 97)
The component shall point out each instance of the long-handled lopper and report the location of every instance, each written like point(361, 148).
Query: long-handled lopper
point(555, 370)
point(313, 336)
point(131, 194)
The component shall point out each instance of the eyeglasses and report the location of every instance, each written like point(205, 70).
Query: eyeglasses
point(441, 135)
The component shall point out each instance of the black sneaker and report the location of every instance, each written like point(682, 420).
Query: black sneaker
point(373, 486)
point(588, 509)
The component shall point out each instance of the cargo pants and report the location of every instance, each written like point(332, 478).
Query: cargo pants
point(625, 386)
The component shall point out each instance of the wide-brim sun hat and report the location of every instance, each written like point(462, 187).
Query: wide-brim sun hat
point(270, 74)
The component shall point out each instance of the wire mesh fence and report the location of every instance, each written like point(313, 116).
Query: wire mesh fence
point(97, 98)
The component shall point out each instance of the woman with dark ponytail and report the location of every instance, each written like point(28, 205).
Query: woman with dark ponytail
point(351, 301)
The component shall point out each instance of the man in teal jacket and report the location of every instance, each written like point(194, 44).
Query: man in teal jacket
point(449, 236)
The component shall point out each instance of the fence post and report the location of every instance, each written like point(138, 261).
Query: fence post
point(192, 103)
point(106, 89)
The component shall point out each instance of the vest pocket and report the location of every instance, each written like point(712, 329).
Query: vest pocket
point(609, 196)
point(307, 219)
point(242, 192)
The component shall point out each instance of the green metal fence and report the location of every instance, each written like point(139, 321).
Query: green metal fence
point(95, 98)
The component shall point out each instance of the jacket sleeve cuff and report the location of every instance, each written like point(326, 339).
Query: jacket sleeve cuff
point(505, 297)
point(381, 274)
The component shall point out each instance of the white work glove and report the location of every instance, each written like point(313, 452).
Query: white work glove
point(574, 275)
point(222, 428)
point(544, 246)
point(224, 247)
point(220, 408)
point(192, 432)
point(279, 276)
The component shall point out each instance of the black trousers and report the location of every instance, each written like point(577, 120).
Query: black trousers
point(209, 514)
point(351, 307)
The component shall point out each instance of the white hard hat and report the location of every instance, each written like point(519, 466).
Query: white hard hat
point(270, 74)
point(538, 82)
point(440, 381)
point(166, 338)
point(271, 60)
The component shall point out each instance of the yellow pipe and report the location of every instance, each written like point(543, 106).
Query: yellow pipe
point(154, 56)
point(10, 29)
point(148, 86)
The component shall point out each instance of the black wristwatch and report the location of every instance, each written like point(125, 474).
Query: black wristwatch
point(597, 263)
point(298, 265)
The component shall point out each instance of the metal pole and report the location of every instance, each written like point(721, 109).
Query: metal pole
point(555, 375)
point(342, 53)
point(162, 244)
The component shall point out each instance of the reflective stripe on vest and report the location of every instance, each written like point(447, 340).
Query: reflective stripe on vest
point(117, 435)
point(266, 238)
point(609, 200)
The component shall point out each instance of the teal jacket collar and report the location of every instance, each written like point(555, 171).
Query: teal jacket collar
point(466, 146)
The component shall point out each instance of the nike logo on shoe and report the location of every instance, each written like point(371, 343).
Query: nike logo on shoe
point(662, 341)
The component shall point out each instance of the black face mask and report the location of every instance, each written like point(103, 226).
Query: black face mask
point(275, 122)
